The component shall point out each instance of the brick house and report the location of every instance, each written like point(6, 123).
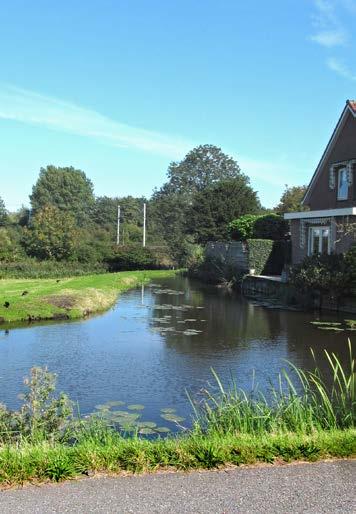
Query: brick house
point(331, 196)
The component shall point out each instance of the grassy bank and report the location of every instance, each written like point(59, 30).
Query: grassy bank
point(43, 441)
point(66, 298)
point(110, 453)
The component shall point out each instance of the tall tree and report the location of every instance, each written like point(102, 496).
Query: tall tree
point(291, 199)
point(67, 189)
point(216, 206)
point(200, 168)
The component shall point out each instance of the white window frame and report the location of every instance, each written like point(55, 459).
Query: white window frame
point(310, 239)
point(341, 170)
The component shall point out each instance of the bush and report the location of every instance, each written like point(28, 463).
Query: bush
point(128, 258)
point(32, 268)
point(318, 275)
point(260, 252)
point(266, 226)
point(242, 228)
point(270, 226)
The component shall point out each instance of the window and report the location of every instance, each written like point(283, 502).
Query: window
point(319, 240)
point(343, 184)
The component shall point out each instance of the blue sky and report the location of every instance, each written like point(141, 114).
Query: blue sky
point(121, 88)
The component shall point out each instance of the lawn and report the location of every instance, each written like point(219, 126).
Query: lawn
point(67, 298)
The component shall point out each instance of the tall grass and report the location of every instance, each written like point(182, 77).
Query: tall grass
point(302, 402)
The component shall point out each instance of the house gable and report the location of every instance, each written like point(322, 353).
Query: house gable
point(341, 148)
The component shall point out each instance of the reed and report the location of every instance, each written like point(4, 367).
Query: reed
point(302, 402)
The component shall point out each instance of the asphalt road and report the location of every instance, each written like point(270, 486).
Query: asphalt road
point(325, 487)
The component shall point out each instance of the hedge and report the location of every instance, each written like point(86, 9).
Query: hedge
point(259, 254)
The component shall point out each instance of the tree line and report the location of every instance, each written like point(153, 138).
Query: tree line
point(203, 193)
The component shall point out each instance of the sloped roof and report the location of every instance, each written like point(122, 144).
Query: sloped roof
point(350, 107)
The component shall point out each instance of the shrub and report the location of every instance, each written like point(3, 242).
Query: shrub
point(260, 252)
point(32, 268)
point(323, 274)
point(266, 226)
point(270, 226)
point(243, 227)
point(127, 258)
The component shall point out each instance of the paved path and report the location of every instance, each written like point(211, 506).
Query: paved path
point(325, 487)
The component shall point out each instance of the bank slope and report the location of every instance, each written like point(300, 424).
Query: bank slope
point(67, 298)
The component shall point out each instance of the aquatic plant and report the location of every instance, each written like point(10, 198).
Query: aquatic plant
point(302, 402)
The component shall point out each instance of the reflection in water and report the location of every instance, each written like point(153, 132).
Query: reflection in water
point(160, 341)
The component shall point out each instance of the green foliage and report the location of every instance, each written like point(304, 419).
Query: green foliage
point(190, 207)
point(67, 189)
point(271, 226)
point(291, 200)
point(3, 213)
point(104, 215)
point(213, 208)
point(201, 167)
point(259, 254)
point(265, 226)
point(42, 416)
point(243, 227)
point(9, 249)
point(318, 275)
point(132, 258)
point(33, 268)
point(52, 234)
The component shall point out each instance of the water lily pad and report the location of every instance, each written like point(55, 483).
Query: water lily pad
point(115, 403)
point(191, 332)
point(162, 430)
point(146, 431)
point(172, 417)
point(102, 406)
point(191, 319)
point(136, 406)
point(168, 410)
point(146, 424)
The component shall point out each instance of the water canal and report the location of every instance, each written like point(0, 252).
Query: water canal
point(160, 341)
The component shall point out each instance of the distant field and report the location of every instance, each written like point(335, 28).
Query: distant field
point(66, 298)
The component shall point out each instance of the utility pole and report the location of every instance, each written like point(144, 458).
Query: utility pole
point(118, 226)
point(144, 225)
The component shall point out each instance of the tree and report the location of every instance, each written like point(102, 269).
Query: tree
point(67, 189)
point(291, 200)
point(213, 208)
point(200, 168)
point(52, 234)
point(105, 215)
point(3, 212)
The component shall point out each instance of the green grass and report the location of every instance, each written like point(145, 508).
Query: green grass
point(69, 298)
point(110, 453)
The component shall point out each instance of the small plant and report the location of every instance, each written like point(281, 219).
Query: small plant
point(42, 416)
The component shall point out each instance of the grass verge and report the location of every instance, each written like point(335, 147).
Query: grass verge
point(67, 298)
point(110, 453)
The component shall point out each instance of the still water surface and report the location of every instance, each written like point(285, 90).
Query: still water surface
point(158, 342)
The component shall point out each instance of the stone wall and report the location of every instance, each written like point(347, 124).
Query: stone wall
point(232, 254)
